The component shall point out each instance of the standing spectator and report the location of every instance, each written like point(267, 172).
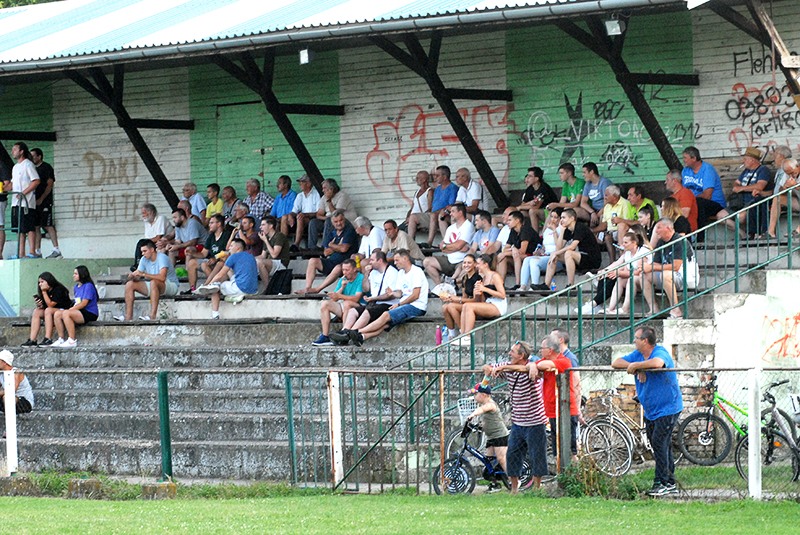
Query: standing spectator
point(22, 387)
point(338, 245)
point(455, 243)
point(260, 202)
point(703, 181)
point(304, 210)
point(533, 266)
point(470, 192)
point(229, 203)
point(444, 196)
point(275, 254)
point(537, 195)
point(50, 297)
point(660, 396)
point(84, 310)
point(372, 239)
point(24, 180)
point(154, 277)
point(333, 200)
point(577, 248)
point(571, 188)
point(237, 278)
point(349, 288)
point(44, 203)
point(490, 298)
point(215, 204)
point(195, 200)
point(5, 185)
point(189, 233)
point(397, 239)
point(206, 258)
point(686, 200)
point(593, 198)
point(751, 186)
point(781, 154)
point(284, 202)
point(528, 419)
point(419, 215)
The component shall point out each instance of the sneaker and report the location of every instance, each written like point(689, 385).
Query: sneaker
point(144, 318)
point(234, 299)
point(356, 338)
point(54, 254)
point(208, 289)
point(190, 291)
point(589, 308)
point(341, 337)
point(463, 341)
point(322, 340)
point(58, 343)
point(540, 287)
point(46, 342)
point(70, 343)
point(29, 343)
point(13, 257)
point(119, 317)
point(494, 487)
point(660, 489)
point(215, 315)
point(31, 256)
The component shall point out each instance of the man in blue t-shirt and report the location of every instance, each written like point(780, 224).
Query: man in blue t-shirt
point(444, 196)
point(155, 276)
point(752, 186)
point(661, 400)
point(237, 278)
point(703, 181)
point(593, 196)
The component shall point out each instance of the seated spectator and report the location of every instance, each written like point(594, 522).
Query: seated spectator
point(22, 387)
point(156, 227)
point(577, 247)
point(484, 241)
point(419, 215)
point(248, 233)
point(350, 289)
point(666, 270)
point(372, 239)
point(333, 200)
point(51, 296)
point(470, 192)
point(208, 256)
point(412, 290)
point(781, 153)
point(752, 187)
point(792, 169)
point(259, 202)
point(571, 188)
point(522, 242)
point(304, 210)
point(338, 245)
point(703, 181)
point(593, 198)
point(397, 239)
point(533, 266)
point(196, 202)
point(382, 278)
point(84, 310)
point(642, 256)
point(283, 204)
point(444, 196)
point(647, 221)
point(637, 202)
point(537, 195)
point(672, 210)
point(189, 233)
point(215, 204)
point(229, 202)
point(490, 297)
point(154, 277)
point(275, 254)
point(611, 224)
point(453, 304)
point(240, 211)
point(454, 245)
point(237, 278)
point(685, 198)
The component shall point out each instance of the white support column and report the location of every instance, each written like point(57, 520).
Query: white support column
point(335, 428)
point(10, 407)
point(754, 436)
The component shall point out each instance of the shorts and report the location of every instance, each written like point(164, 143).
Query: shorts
point(229, 288)
point(171, 289)
point(3, 205)
point(423, 219)
point(330, 262)
point(500, 442)
point(277, 266)
point(45, 216)
point(445, 266)
point(530, 441)
point(375, 311)
point(23, 406)
point(27, 223)
point(181, 256)
point(500, 304)
point(88, 317)
point(677, 279)
point(589, 263)
point(403, 313)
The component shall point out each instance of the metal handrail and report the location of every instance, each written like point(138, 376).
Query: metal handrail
point(577, 289)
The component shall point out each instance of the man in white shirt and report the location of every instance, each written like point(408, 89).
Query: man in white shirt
point(470, 192)
point(155, 227)
point(372, 238)
point(304, 209)
point(24, 179)
point(412, 292)
point(454, 244)
point(196, 201)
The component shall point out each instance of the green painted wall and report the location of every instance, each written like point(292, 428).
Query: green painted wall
point(569, 107)
point(232, 125)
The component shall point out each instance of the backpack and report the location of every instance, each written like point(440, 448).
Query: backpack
point(280, 283)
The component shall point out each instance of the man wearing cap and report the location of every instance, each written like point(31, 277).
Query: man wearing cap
point(22, 387)
point(752, 186)
point(528, 418)
point(494, 428)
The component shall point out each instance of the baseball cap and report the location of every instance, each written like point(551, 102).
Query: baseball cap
point(304, 178)
point(7, 357)
point(482, 389)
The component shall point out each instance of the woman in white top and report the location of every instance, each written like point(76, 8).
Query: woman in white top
point(419, 214)
point(490, 298)
point(637, 253)
point(533, 266)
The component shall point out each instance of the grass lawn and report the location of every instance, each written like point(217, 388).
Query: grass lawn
point(395, 514)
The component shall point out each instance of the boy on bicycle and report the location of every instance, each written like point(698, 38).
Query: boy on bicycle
point(493, 426)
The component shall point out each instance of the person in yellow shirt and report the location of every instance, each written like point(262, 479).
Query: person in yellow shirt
point(215, 203)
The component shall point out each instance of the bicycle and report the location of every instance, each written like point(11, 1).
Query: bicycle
point(780, 453)
point(458, 475)
point(706, 439)
point(612, 439)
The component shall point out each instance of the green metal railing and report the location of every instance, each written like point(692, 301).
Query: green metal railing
point(723, 258)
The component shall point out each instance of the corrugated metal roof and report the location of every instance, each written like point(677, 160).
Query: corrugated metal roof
point(39, 34)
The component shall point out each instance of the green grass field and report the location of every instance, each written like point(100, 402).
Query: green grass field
point(395, 514)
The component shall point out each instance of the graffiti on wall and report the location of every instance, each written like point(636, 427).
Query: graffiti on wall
point(108, 199)
point(783, 339)
point(421, 138)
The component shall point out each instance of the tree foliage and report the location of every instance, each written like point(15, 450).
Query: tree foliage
point(14, 3)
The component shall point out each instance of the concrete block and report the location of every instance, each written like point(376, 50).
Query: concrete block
point(166, 490)
point(18, 486)
point(88, 489)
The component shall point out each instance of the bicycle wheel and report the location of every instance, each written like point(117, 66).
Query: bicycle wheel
point(780, 464)
point(525, 476)
point(608, 445)
point(705, 439)
point(459, 478)
point(766, 419)
point(454, 444)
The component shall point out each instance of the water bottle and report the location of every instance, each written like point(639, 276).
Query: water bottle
point(553, 286)
point(445, 334)
point(438, 335)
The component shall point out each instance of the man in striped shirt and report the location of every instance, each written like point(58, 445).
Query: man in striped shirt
point(528, 418)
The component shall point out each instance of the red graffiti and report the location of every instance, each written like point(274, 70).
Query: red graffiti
point(785, 338)
point(417, 140)
point(766, 116)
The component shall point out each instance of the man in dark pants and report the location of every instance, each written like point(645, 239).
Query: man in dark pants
point(661, 400)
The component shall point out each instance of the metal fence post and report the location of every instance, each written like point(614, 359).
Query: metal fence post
point(335, 429)
point(564, 431)
point(10, 407)
point(789, 226)
point(163, 415)
point(736, 261)
point(287, 380)
point(522, 327)
point(754, 436)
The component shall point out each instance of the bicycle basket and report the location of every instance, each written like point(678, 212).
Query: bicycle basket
point(466, 406)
